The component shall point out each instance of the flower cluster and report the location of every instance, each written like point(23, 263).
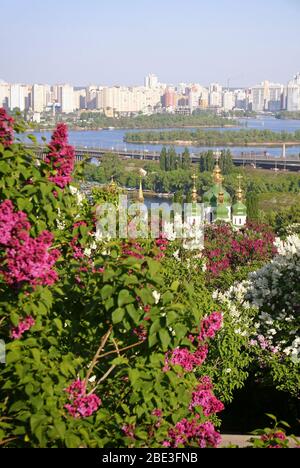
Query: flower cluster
point(274, 439)
point(203, 396)
point(184, 358)
point(274, 290)
point(133, 249)
point(128, 430)
point(23, 326)
point(238, 307)
point(82, 405)
point(140, 332)
point(210, 325)
point(187, 359)
point(188, 432)
point(61, 157)
point(25, 259)
point(226, 248)
point(6, 128)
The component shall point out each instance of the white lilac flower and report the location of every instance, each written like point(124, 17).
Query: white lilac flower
point(156, 296)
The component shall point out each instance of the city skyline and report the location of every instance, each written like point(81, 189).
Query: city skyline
point(118, 43)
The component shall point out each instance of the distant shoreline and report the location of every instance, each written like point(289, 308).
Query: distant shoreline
point(195, 143)
point(100, 129)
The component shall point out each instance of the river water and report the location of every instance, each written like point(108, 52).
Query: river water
point(114, 139)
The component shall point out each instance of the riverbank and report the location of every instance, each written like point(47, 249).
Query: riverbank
point(274, 144)
point(99, 129)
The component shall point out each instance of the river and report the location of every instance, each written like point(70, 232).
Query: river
point(114, 139)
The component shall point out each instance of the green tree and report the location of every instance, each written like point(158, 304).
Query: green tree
point(252, 206)
point(226, 163)
point(163, 159)
point(186, 160)
point(172, 158)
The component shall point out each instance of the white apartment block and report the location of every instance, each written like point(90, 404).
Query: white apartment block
point(17, 97)
point(267, 96)
point(67, 98)
point(4, 93)
point(293, 94)
point(127, 100)
point(215, 95)
point(228, 100)
point(38, 98)
point(151, 81)
point(198, 97)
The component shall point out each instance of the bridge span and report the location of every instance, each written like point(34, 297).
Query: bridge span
point(251, 158)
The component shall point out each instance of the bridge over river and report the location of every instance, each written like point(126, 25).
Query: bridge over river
point(252, 158)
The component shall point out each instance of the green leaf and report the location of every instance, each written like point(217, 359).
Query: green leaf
point(72, 441)
point(117, 315)
point(154, 267)
point(164, 338)
point(133, 312)
point(107, 291)
point(60, 428)
point(134, 375)
point(36, 421)
point(167, 297)
point(58, 324)
point(119, 360)
point(175, 285)
point(125, 297)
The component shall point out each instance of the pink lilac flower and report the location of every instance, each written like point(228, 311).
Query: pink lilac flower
point(275, 435)
point(25, 259)
point(140, 332)
point(128, 430)
point(81, 405)
point(204, 397)
point(30, 260)
point(186, 433)
point(78, 251)
point(6, 128)
point(210, 325)
point(11, 223)
point(184, 358)
point(61, 157)
point(23, 326)
point(157, 412)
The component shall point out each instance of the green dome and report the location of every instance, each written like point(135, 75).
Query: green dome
point(239, 209)
point(221, 212)
point(211, 196)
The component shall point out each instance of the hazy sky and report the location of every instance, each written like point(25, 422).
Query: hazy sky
point(120, 41)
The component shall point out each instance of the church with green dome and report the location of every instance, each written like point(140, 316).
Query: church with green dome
point(218, 203)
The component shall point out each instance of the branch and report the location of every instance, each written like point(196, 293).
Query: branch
point(103, 378)
point(97, 355)
point(122, 349)
point(109, 370)
point(5, 441)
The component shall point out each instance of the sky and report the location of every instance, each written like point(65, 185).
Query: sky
point(108, 42)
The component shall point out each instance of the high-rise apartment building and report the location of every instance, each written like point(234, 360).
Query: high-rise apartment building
point(4, 94)
point(38, 99)
point(121, 99)
point(293, 94)
point(18, 98)
point(215, 95)
point(169, 99)
point(197, 97)
point(151, 81)
point(228, 100)
point(67, 98)
point(267, 97)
